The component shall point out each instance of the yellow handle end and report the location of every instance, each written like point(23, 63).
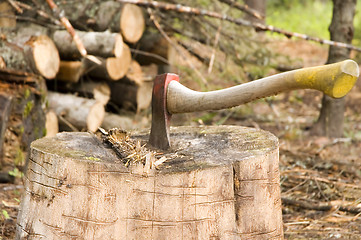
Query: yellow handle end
point(335, 80)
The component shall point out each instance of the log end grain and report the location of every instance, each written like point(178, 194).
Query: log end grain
point(132, 23)
point(95, 116)
point(44, 55)
point(216, 183)
point(135, 72)
point(51, 123)
point(118, 45)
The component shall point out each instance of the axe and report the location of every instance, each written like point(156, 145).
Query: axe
point(170, 97)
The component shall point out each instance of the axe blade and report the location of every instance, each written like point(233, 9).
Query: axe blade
point(159, 133)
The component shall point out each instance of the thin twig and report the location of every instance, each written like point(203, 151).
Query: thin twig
point(244, 8)
point(216, 39)
point(239, 21)
point(325, 180)
point(15, 5)
point(39, 12)
point(61, 15)
point(321, 206)
point(148, 54)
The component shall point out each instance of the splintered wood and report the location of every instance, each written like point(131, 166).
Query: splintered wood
point(126, 148)
point(215, 183)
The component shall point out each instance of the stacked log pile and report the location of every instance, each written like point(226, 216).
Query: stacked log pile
point(47, 85)
point(81, 88)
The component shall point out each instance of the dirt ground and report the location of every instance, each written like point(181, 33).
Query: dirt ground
point(320, 177)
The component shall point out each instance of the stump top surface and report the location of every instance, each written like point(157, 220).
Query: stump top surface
point(192, 147)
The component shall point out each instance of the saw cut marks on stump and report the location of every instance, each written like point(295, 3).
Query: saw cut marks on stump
point(216, 182)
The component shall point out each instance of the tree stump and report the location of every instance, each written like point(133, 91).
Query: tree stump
point(217, 183)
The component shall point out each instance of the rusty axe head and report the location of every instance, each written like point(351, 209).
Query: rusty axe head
point(159, 133)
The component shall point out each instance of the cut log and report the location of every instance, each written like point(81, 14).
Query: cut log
point(131, 23)
point(135, 72)
point(216, 183)
point(13, 57)
point(113, 68)
point(70, 71)
point(38, 55)
point(130, 96)
point(7, 15)
point(103, 44)
point(81, 113)
point(43, 55)
point(126, 19)
point(101, 93)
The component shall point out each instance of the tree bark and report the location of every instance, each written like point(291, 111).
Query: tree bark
point(330, 121)
point(6, 102)
point(216, 183)
point(22, 118)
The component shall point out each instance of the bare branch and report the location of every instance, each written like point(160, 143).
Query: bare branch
point(157, 25)
point(238, 21)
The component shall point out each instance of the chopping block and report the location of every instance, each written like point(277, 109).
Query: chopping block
point(217, 182)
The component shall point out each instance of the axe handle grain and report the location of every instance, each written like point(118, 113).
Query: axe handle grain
point(335, 80)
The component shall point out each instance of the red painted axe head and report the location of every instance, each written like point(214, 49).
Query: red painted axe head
point(159, 132)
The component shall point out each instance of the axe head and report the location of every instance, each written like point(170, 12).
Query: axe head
point(159, 132)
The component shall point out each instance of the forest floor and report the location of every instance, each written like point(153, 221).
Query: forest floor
point(320, 177)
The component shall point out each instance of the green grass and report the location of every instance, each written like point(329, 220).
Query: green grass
point(309, 17)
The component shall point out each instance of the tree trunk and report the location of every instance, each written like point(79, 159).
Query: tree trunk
point(330, 121)
point(6, 102)
point(217, 183)
point(22, 118)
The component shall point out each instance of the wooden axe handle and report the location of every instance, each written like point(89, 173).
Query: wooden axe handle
point(335, 80)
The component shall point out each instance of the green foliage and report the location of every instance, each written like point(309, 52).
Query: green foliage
point(357, 25)
point(16, 173)
point(27, 109)
point(308, 17)
point(19, 158)
point(5, 214)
